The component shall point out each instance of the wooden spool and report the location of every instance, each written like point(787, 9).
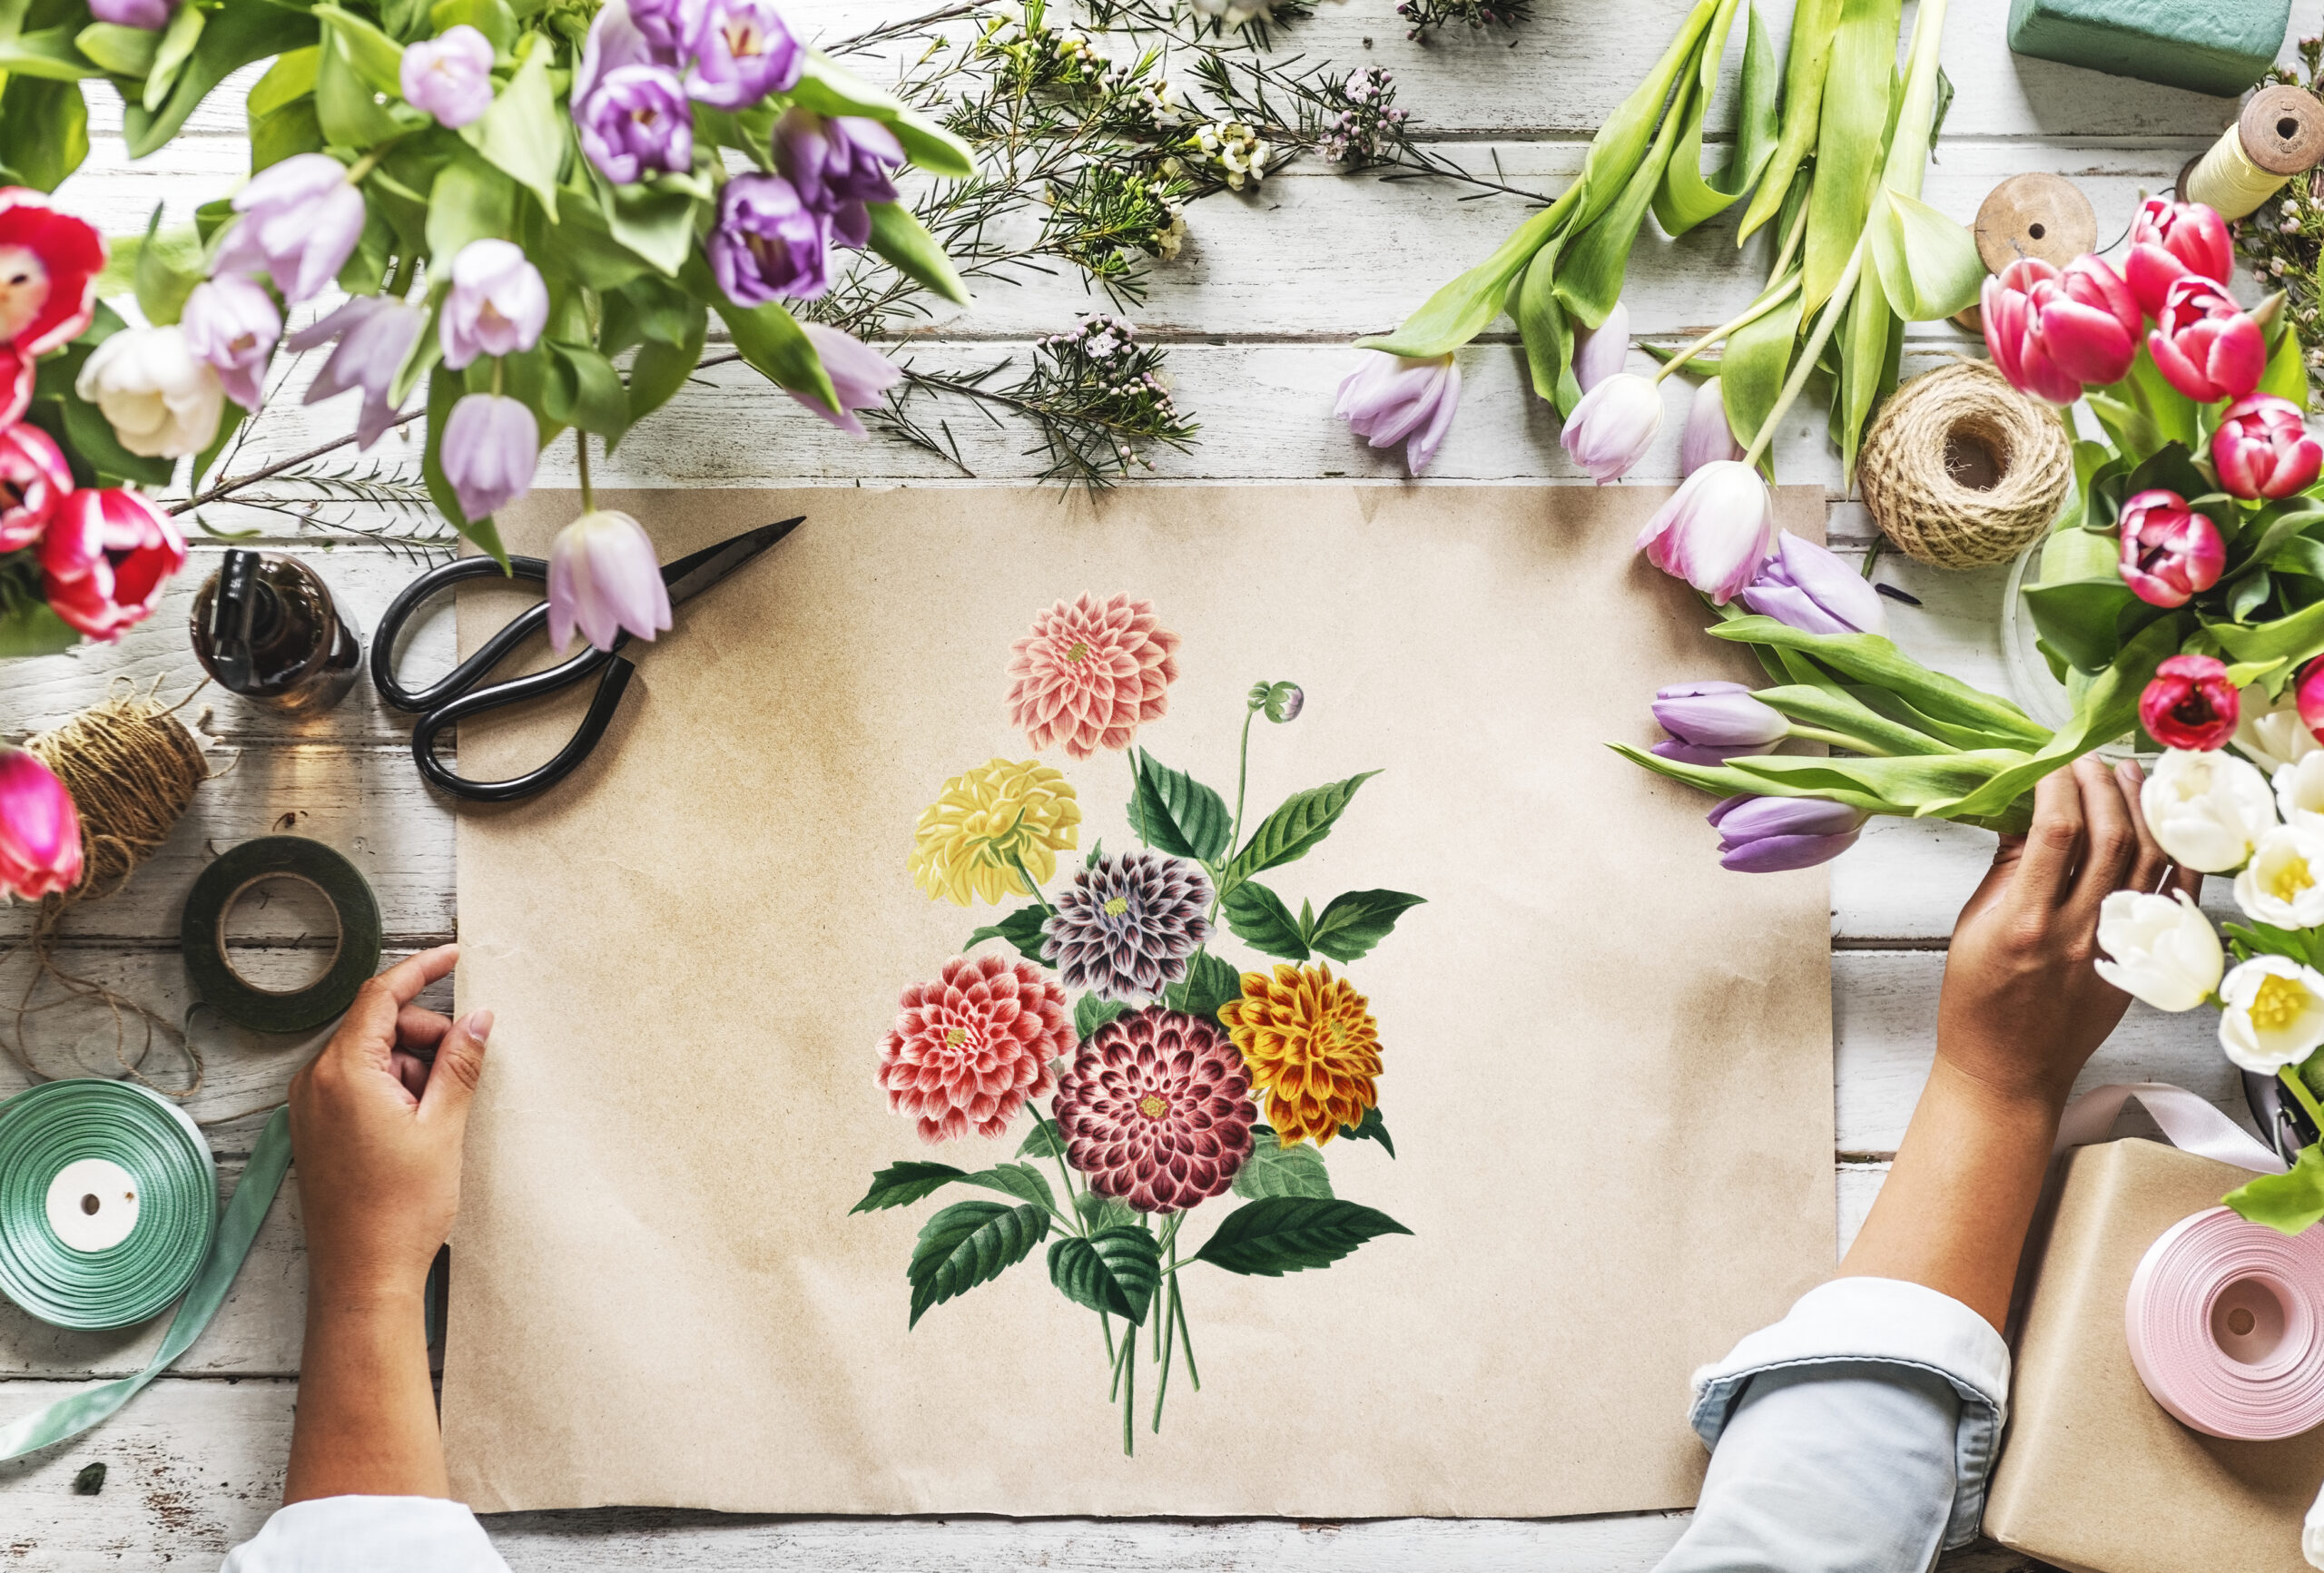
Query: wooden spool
point(2282, 130)
point(2044, 216)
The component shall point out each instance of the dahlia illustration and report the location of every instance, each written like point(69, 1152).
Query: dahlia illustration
point(987, 821)
point(969, 1049)
point(1156, 1110)
point(1089, 675)
point(1126, 926)
point(1311, 1047)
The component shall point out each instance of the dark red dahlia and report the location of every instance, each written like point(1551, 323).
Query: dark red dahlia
point(1156, 1110)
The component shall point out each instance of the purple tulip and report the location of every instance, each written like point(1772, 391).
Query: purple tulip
point(613, 43)
point(743, 50)
point(1600, 352)
point(145, 15)
point(450, 75)
point(1707, 436)
point(1765, 835)
point(375, 334)
point(637, 123)
point(1719, 715)
point(489, 449)
point(768, 243)
point(1715, 532)
point(232, 323)
point(838, 164)
point(602, 579)
point(666, 25)
point(1390, 400)
point(858, 373)
point(498, 305)
point(1804, 586)
point(301, 219)
point(1613, 426)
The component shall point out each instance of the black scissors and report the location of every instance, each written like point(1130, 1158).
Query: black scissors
point(464, 692)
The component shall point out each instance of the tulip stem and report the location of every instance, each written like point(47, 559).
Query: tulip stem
point(1836, 739)
point(1758, 309)
point(2290, 1079)
point(1813, 351)
point(581, 447)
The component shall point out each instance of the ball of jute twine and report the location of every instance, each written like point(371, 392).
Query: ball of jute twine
point(1935, 439)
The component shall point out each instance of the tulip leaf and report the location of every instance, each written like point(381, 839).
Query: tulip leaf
point(1685, 198)
point(901, 1185)
point(493, 18)
point(1353, 924)
point(1833, 708)
point(1279, 1235)
point(1460, 310)
point(122, 51)
point(828, 88)
point(28, 627)
point(470, 200)
point(1090, 1013)
point(44, 131)
point(773, 344)
point(522, 132)
point(2288, 1202)
point(2291, 639)
point(900, 238)
point(1546, 330)
point(1751, 373)
point(1594, 265)
point(1851, 139)
point(2287, 373)
point(1261, 920)
point(232, 36)
point(1275, 1170)
point(659, 370)
point(377, 59)
point(90, 437)
point(1114, 1271)
point(50, 54)
point(1210, 983)
point(1175, 813)
point(1928, 264)
point(1291, 831)
point(968, 1244)
point(1875, 659)
point(583, 389)
point(1372, 1128)
point(1871, 352)
point(1021, 928)
point(444, 391)
point(1814, 24)
point(2081, 619)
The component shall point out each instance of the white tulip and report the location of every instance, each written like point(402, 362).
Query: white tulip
point(2299, 789)
point(160, 400)
point(2283, 885)
point(2206, 810)
point(2272, 1014)
point(2273, 736)
point(2160, 950)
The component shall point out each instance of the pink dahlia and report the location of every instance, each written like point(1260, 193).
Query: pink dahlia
point(1091, 673)
point(1156, 1110)
point(969, 1049)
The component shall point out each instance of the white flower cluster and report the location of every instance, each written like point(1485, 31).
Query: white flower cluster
point(1234, 149)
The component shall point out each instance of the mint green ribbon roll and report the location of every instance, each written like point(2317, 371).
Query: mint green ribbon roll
point(178, 1242)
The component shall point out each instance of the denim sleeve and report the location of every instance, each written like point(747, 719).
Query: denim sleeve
point(368, 1535)
point(1855, 1436)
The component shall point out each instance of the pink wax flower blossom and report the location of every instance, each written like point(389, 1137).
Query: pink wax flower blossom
point(1156, 1110)
point(1766, 835)
point(450, 75)
point(374, 334)
point(966, 1051)
point(2170, 553)
point(49, 263)
point(1707, 436)
point(2053, 330)
point(145, 15)
point(637, 123)
point(1388, 400)
point(33, 476)
point(1807, 587)
point(2191, 703)
point(767, 244)
point(838, 164)
point(104, 558)
point(499, 303)
point(1089, 675)
point(605, 579)
point(1602, 351)
point(40, 831)
point(2204, 344)
point(489, 449)
point(301, 219)
point(2263, 448)
point(743, 50)
point(1716, 531)
point(2170, 241)
point(860, 375)
point(232, 323)
point(1613, 426)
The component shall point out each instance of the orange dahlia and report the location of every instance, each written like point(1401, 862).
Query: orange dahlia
point(1313, 1048)
point(1089, 675)
point(969, 1049)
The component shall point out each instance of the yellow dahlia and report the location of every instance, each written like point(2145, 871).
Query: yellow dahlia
point(1313, 1048)
point(985, 822)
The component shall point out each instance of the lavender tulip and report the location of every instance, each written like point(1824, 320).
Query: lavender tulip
point(604, 579)
point(1765, 835)
point(743, 50)
point(489, 449)
point(1719, 715)
point(145, 15)
point(1804, 586)
point(301, 219)
point(1600, 352)
point(498, 304)
point(1716, 532)
point(636, 123)
point(838, 164)
point(1613, 426)
point(1390, 400)
point(232, 323)
point(450, 75)
point(614, 42)
point(768, 243)
point(1707, 436)
point(858, 373)
point(375, 334)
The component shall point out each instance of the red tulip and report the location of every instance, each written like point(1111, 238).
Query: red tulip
point(2204, 344)
point(2191, 703)
point(2309, 697)
point(40, 833)
point(33, 476)
point(2262, 449)
point(16, 375)
point(2170, 241)
point(105, 557)
point(2052, 331)
point(2168, 553)
point(49, 262)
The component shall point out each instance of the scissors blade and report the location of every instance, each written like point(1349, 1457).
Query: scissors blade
point(690, 575)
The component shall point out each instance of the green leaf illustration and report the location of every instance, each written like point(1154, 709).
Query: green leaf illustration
point(1211, 984)
point(1114, 1271)
point(1262, 922)
point(1354, 923)
point(1275, 1170)
point(1288, 833)
point(1279, 1235)
point(1021, 1180)
point(1090, 1013)
point(1040, 1142)
point(901, 1185)
point(1021, 928)
point(968, 1244)
point(2286, 1204)
point(1175, 813)
point(1373, 1129)
point(1102, 1212)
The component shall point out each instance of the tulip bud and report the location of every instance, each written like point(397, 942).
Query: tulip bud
point(1716, 531)
point(2308, 696)
point(1613, 426)
point(1765, 835)
point(1807, 587)
point(1719, 716)
point(2052, 331)
point(2206, 810)
point(2262, 449)
point(2159, 950)
point(1707, 436)
point(40, 832)
point(604, 580)
point(33, 476)
point(2204, 344)
point(2170, 241)
point(2191, 703)
point(2168, 553)
point(1600, 352)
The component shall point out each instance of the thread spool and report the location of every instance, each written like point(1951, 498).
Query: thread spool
point(2280, 134)
point(1961, 470)
point(2225, 1321)
point(2042, 216)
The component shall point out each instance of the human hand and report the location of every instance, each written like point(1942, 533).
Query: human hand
point(2023, 1007)
point(377, 1132)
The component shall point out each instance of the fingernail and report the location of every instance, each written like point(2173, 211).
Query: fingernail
point(478, 1023)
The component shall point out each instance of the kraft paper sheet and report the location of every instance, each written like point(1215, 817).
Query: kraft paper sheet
point(1607, 1062)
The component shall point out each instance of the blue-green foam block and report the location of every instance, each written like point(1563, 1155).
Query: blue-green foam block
point(2219, 46)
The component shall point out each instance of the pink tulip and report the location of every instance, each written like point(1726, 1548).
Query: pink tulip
point(2191, 703)
point(2170, 553)
point(2204, 344)
point(2310, 698)
point(2170, 241)
point(2052, 331)
point(499, 303)
point(33, 476)
point(603, 579)
point(1600, 352)
point(490, 447)
point(2262, 449)
point(1390, 400)
point(1716, 531)
point(450, 75)
point(1707, 436)
point(40, 832)
point(858, 373)
point(17, 374)
point(104, 558)
point(1613, 426)
point(232, 323)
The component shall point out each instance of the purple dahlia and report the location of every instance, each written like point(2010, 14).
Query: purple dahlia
point(1156, 1110)
point(1126, 926)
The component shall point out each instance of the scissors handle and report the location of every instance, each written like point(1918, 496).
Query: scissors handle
point(431, 724)
point(468, 672)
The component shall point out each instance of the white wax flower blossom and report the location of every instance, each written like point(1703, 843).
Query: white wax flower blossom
point(1238, 150)
point(2272, 1014)
point(2299, 789)
point(2158, 949)
point(161, 400)
point(2206, 809)
point(2283, 885)
point(2272, 737)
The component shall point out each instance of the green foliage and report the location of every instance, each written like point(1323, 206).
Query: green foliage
point(43, 130)
point(1021, 928)
point(1021, 1180)
point(968, 1244)
point(1279, 1235)
point(1116, 1271)
point(1261, 920)
point(1175, 813)
point(1275, 1170)
point(1101, 1213)
point(900, 1185)
point(1373, 1129)
point(1090, 1013)
point(1040, 1142)
point(2288, 1202)
point(1294, 829)
point(1354, 923)
point(524, 135)
point(1209, 983)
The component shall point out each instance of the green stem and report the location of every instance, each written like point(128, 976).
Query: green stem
point(1032, 886)
point(1170, 1344)
point(496, 371)
point(1791, 243)
point(581, 447)
point(1825, 326)
point(1179, 1310)
point(1838, 740)
point(1130, 1399)
point(2290, 1079)
point(1871, 554)
point(1241, 778)
point(1765, 304)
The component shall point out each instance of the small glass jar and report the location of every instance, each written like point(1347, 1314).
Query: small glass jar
point(265, 627)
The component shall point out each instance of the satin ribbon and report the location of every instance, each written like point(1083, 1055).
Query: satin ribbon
point(2193, 1126)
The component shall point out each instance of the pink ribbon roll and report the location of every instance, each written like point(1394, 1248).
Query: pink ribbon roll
point(2226, 1326)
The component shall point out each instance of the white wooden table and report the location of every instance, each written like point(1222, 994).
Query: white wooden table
point(1257, 313)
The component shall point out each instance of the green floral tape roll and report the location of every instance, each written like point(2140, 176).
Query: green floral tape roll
point(108, 1202)
point(202, 939)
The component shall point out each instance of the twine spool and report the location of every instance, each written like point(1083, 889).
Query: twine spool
point(1963, 471)
point(2280, 134)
